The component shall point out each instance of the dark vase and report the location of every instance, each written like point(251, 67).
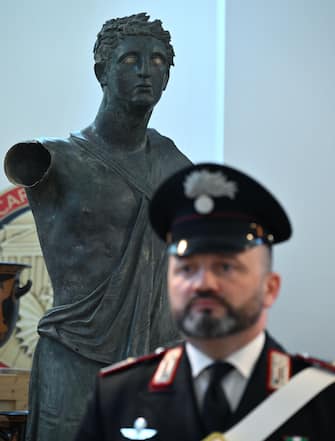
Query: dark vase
point(10, 293)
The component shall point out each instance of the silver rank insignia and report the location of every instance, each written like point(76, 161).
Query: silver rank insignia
point(279, 370)
point(166, 370)
point(139, 430)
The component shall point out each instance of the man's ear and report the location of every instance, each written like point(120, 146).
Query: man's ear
point(272, 287)
point(166, 79)
point(99, 70)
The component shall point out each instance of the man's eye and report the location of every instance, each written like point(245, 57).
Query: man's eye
point(185, 269)
point(226, 267)
point(129, 59)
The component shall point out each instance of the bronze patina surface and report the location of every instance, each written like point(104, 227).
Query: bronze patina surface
point(89, 195)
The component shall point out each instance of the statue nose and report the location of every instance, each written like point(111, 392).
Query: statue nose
point(144, 68)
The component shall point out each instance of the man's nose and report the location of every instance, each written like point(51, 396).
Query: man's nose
point(205, 280)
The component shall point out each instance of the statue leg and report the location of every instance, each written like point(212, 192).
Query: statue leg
point(61, 383)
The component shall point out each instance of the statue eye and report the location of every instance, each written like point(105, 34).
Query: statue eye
point(158, 60)
point(129, 59)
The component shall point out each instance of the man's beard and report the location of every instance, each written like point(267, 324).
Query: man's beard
point(201, 324)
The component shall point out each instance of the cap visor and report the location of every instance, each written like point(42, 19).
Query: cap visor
point(186, 247)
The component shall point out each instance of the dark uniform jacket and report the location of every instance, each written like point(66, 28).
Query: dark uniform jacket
point(124, 394)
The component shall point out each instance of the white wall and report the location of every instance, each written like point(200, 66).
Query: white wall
point(279, 126)
point(47, 82)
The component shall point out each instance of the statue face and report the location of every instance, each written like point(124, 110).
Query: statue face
point(138, 71)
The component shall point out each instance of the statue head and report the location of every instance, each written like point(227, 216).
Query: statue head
point(115, 30)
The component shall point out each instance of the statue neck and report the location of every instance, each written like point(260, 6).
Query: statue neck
point(122, 127)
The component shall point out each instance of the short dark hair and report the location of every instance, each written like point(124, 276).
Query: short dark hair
point(268, 258)
point(138, 24)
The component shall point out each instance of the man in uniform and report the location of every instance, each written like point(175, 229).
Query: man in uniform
point(220, 226)
point(89, 196)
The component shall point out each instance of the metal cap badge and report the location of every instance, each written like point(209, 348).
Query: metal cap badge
point(212, 208)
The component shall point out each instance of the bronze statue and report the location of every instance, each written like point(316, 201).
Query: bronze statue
point(89, 196)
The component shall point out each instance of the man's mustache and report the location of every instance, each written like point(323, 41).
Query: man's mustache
point(209, 295)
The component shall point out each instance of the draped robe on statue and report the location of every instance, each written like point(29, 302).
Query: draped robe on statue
point(106, 266)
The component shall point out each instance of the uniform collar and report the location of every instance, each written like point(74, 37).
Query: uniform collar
point(243, 360)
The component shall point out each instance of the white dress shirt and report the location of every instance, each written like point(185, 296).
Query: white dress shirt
point(235, 381)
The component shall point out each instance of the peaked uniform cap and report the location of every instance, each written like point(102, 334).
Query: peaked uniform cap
point(211, 207)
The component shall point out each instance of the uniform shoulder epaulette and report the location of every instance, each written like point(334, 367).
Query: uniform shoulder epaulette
point(316, 362)
point(166, 370)
point(279, 369)
point(129, 362)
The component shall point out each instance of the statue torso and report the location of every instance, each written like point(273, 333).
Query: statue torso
point(85, 211)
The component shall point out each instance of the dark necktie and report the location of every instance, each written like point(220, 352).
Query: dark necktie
point(216, 411)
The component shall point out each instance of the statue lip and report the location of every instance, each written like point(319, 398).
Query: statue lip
point(144, 86)
point(144, 89)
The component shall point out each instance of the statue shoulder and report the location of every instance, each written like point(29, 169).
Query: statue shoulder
point(45, 142)
point(167, 151)
point(158, 139)
point(28, 162)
